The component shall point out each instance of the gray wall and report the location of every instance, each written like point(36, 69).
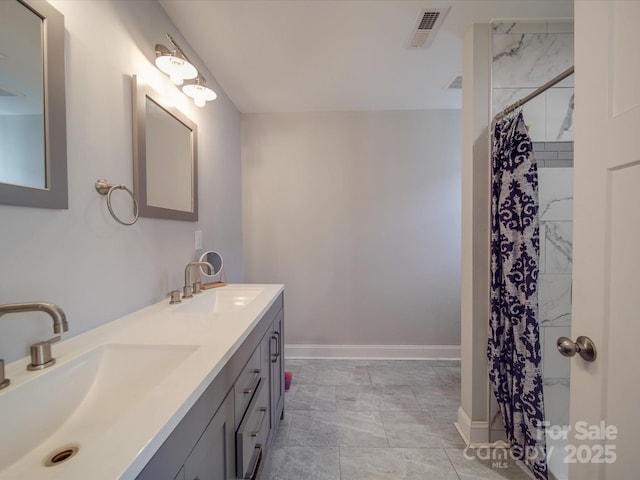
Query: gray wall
point(80, 258)
point(358, 214)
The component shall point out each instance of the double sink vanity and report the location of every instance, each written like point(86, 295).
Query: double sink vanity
point(187, 391)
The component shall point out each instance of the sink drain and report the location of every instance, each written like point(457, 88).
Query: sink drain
point(61, 455)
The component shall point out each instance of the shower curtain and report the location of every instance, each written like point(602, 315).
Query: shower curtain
point(515, 369)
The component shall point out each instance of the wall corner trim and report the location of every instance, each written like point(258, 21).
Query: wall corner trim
point(473, 433)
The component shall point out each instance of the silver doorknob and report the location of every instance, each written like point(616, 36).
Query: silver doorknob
point(583, 346)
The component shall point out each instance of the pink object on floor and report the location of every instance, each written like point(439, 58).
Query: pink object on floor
point(287, 380)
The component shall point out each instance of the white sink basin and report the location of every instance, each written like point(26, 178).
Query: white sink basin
point(220, 300)
point(75, 401)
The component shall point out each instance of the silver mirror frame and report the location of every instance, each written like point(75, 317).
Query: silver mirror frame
point(140, 92)
point(213, 258)
point(55, 195)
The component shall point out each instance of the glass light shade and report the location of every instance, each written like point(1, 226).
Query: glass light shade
point(177, 68)
point(176, 78)
point(199, 93)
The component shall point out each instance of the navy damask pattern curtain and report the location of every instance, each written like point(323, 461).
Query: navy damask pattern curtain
point(515, 368)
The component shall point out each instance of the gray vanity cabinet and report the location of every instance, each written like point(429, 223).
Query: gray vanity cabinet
point(213, 456)
point(205, 443)
point(201, 447)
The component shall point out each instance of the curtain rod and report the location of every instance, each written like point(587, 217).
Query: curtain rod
point(534, 94)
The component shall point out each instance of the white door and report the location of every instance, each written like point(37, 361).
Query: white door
point(606, 292)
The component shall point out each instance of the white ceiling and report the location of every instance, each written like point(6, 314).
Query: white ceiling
point(338, 55)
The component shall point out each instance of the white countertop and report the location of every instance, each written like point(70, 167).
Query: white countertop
point(124, 448)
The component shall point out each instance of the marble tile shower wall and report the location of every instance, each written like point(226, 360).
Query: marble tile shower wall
point(525, 56)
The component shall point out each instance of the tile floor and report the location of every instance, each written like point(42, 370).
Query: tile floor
point(378, 419)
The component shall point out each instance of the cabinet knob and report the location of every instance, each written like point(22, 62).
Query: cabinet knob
point(275, 351)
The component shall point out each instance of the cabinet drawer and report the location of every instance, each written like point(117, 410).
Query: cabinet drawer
point(246, 385)
point(252, 433)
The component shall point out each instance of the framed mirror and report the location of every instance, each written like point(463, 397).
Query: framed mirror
point(165, 163)
point(33, 132)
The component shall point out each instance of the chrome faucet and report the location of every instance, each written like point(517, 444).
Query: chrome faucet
point(40, 351)
point(188, 291)
point(59, 318)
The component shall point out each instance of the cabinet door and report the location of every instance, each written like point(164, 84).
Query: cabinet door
point(265, 365)
point(213, 457)
point(276, 344)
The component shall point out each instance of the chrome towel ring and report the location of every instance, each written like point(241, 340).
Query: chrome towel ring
point(105, 188)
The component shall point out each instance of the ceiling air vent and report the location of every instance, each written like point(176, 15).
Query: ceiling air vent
point(429, 20)
point(455, 83)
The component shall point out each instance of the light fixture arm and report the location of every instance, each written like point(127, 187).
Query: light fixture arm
point(179, 68)
point(177, 47)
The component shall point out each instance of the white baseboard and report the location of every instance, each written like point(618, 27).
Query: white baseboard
point(371, 352)
point(473, 433)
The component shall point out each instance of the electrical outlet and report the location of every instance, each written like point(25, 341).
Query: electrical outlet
point(198, 239)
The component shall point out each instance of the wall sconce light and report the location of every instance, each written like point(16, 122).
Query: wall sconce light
point(179, 68)
point(199, 92)
point(174, 64)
